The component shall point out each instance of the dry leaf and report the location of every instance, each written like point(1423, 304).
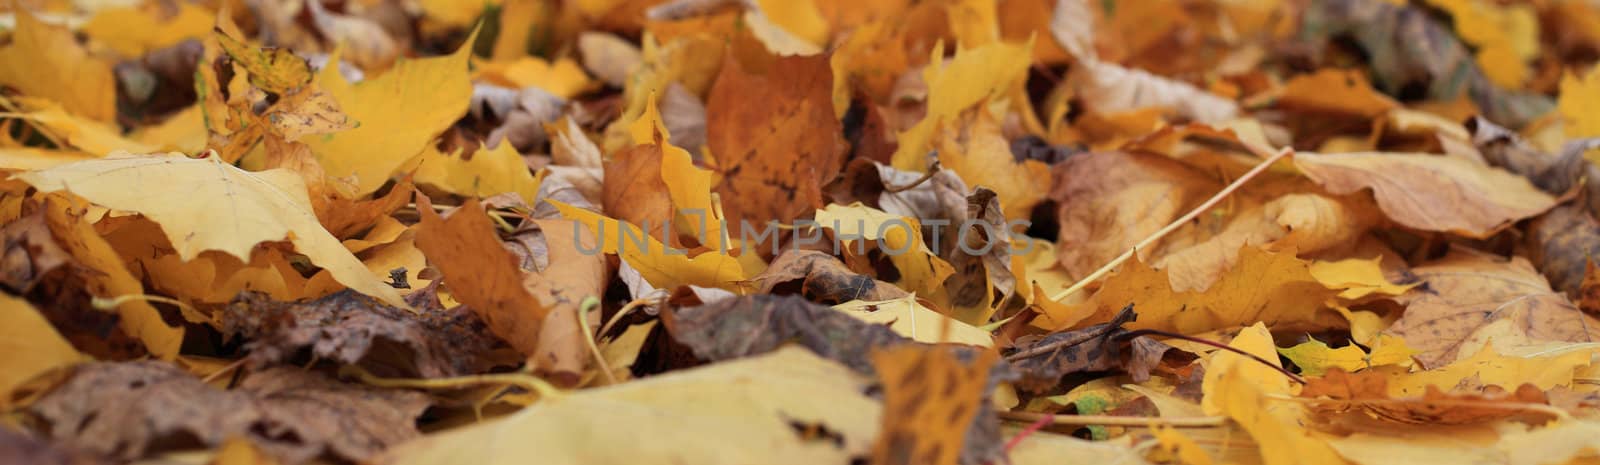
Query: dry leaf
point(44, 60)
point(399, 112)
point(1464, 291)
point(758, 408)
point(34, 344)
point(929, 396)
point(352, 328)
point(123, 409)
point(221, 208)
point(1431, 193)
point(485, 276)
point(1243, 389)
point(771, 157)
point(1369, 392)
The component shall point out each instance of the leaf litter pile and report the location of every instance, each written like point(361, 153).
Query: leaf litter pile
point(800, 231)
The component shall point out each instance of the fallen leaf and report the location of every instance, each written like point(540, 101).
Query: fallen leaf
point(1465, 291)
point(972, 145)
point(1337, 92)
point(1043, 361)
point(821, 278)
point(973, 76)
point(37, 347)
point(399, 112)
point(126, 409)
point(485, 276)
point(43, 60)
point(773, 166)
point(1263, 286)
point(1431, 193)
point(753, 325)
point(1315, 357)
point(354, 329)
point(256, 207)
point(911, 319)
point(929, 394)
point(1358, 278)
point(1243, 389)
point(759, 408)
point(482, 173)
point(1338, 392)
point(1488, 367)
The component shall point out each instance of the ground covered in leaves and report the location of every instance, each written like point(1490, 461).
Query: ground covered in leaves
point(799, 231)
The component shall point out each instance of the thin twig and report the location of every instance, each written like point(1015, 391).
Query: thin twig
point(590, 303)
point(1140, 332)
point(222, 371)
point(1113, 420)
point(1115, 262)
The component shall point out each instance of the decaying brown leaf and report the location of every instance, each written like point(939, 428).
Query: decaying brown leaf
point(1102, 347)
point(355, 329)
point(821, 278)
point(773, 165)
point(1465, 291)
point(124, 409)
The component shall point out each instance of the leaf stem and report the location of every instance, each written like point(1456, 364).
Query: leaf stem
point(1140, 332)
point(524, 380)
point(1224, 193)
point(591, 303)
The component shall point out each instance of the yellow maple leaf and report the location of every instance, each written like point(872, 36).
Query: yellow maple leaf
point(486, 173)
point(205, 204)
point(1576, 105)
point(399, 113)
point(973, 76)
point(1273, 287)
point(564, 78)
point(1488, 367)
point(1246, 391)
point(108, 278)
point(91, 136)
point(1315, 357)
point(1358, 277)
point(34, 347)
point(45, 61)
point(134, 31)
point(1506, 37)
